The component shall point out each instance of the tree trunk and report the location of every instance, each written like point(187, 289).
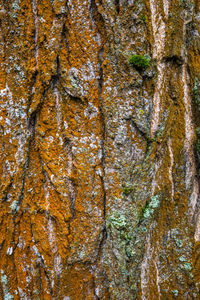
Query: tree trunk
point(99, 157)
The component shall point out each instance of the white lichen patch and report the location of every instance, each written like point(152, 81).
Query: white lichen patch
point(14, 206)
point(157, 100)
point(191, 181)
point(146, 276)
point(9, 250)
point(166, 7)
point(91, 111)
point(15, 124)
point(159, 34)
point(171, 167)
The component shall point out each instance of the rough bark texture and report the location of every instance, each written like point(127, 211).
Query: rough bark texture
point(99, 160)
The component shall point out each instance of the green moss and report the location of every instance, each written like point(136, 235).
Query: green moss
point(141, 111)
point(127, 190)
point(140, 62)
point(143, 18)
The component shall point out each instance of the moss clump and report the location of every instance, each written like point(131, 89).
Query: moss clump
point(127, 190)
point(143, 18)
point(140, 62)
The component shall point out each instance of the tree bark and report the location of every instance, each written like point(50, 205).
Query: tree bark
point(99, 158)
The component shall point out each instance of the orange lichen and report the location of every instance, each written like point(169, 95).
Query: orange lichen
point(77, 125)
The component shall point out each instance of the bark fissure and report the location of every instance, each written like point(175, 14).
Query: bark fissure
point(117, 5)
point(99, 163)
point(103, 153)
point(64, 36)
point(70, 183)
point(36, 33)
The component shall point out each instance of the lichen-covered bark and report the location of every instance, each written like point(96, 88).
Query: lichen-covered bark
point(99, 160)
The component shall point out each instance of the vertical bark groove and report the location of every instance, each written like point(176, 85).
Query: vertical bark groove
point(99, 159)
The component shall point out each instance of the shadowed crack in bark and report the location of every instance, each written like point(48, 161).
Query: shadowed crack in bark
point(103, 126)
point(117, 5)
point(36, 24)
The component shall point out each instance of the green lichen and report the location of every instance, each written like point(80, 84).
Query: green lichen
point(179, 242)
point(140, 62)
point(182, 258)
point(8, 296)
point(15, 5)
point(150, 207)
point(82, 254)
point(117, 223)
point(4, 281)
point(155, 201)
point(14, 206)
point(117, 220)
point(125, 236)
point(187, 266)
point(74, 82)
point(130, 252)
point(175, 292)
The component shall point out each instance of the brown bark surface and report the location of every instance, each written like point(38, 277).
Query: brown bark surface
point(99, 158)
